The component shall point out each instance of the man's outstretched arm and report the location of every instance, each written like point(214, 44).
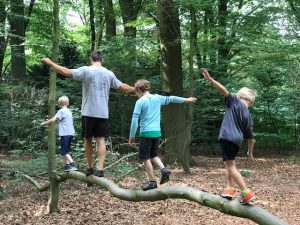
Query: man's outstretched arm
point(59, 69)
point(126, 88)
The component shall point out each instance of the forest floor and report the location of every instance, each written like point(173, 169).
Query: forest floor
point(275, 181)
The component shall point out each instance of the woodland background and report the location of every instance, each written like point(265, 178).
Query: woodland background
point(241, 42)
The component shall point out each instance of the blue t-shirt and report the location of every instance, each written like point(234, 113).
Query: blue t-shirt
point(237, 123)
point(96, 82)
point(65, 119)
point(147, 108)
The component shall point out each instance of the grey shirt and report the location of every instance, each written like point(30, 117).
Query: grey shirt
point(96, 82)
point(237, 123)
point(65, 119)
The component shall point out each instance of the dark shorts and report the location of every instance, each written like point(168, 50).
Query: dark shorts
point(229, 150)
point(94, 127)
point(148, 148)
point(65, 144)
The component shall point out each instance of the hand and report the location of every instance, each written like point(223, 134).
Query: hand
point(131, 141)
point(205, 74)
point(43, 123)
point(46, 60)
point(250, 156)
point(191, 99)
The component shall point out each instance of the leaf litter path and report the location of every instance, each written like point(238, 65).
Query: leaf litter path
point(276, 183)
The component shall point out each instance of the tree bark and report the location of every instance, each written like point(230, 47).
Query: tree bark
point(233, 207)
point(92, 24)
point(54, 189)
point(2, 34)
point(129, 12)
point(223, 51)
point(172, 80)
point(17, 26)
point(111, 30)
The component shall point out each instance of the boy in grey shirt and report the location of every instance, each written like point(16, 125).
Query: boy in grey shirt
point(66, 131)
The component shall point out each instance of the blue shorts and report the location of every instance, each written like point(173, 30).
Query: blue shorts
point(65, 144)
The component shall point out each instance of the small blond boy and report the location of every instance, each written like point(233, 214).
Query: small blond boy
point(237, 125)
point(66, 131)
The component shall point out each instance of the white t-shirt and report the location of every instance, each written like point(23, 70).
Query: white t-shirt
point(65, 119)
point(96, 82)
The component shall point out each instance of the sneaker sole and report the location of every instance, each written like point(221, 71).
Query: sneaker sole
point(227, 196)
point(166, 178)
point(249, 200)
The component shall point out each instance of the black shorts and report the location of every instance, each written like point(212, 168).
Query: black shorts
point(94, 127)
point(229, 149)
point(149, 148)
point(65, 144)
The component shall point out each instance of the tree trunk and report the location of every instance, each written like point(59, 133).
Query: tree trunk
point(223, 51)
point(295, 8)
point(17, 26)
point(129, 12)
point(230, 207)
point(2, 34)
point(100, 22)
point(110, 20)
point(54, 189)
point(92, 24)
point(172, 84)
point(188, 140)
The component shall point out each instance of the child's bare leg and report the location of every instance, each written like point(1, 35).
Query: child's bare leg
point(149, 169)
point(234, 174)
point(67, 158)
point(88, 147)
point(101, 152)
point(157, 161)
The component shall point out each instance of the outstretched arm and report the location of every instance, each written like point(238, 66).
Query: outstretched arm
point(59, 69)
point(126, 88)
point(216, 84)
point(53, 119)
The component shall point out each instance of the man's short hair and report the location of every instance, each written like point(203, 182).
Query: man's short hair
point(247, 94)
point(96, 56)
point(63, 101)
point(142, 85)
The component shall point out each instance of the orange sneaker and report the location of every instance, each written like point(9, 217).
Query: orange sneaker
point(229, 194)
point(247, 198)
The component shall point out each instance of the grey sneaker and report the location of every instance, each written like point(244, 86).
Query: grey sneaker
point(70, 167)
point(150, 185)
point(165, 175)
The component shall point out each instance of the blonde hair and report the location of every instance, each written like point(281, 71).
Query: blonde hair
point(142, 86)
point(63, 101)
point(247, 94)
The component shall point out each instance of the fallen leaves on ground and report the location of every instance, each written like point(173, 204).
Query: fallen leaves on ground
point(276, 183)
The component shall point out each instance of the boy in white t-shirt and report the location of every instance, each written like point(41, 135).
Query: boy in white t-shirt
point(66, 131)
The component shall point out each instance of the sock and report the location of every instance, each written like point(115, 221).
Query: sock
point(245, 191)
point(230, 187)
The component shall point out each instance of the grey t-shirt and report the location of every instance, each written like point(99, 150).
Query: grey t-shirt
point(96, 82)
point(65, 119)
point(237, 123)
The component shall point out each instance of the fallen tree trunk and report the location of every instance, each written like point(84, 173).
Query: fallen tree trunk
point(234, 208)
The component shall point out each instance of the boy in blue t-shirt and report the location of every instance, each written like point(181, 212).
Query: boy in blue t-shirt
point(66, 131)
point(237, 125)
point(147, 109)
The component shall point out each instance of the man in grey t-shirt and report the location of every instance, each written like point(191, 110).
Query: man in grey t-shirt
point(96, 82)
